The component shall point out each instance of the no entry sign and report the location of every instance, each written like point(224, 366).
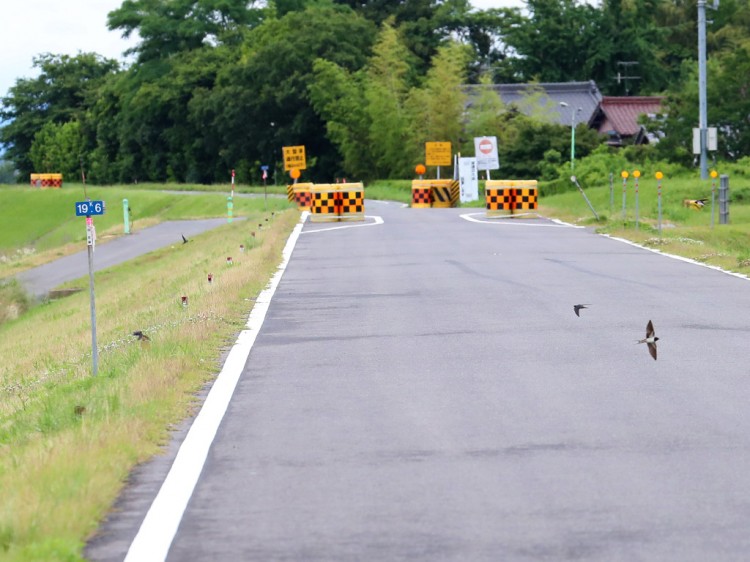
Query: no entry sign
point(485, 149)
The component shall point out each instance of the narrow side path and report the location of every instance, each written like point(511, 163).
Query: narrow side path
point(39, 281)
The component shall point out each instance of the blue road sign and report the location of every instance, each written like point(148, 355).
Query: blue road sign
point(89, 208)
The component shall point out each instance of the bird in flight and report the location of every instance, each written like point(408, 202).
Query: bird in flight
point(650, 339)
point(577, 308)
point(141, 336)
point(184, 240)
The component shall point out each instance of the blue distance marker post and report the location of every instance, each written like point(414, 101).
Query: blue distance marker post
point(89, 209)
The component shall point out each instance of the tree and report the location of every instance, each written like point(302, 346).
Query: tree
point(176, 26)
point(336, 95)
point(526, 145)
point(728, 91)
point(554, 41)
point(7, 172)
point(385, 95)
point(65, 88)
point(424, 24)
point(438, 106)
point(263, 102)
point(57, 148)
point(636, 44)
point(483, 114)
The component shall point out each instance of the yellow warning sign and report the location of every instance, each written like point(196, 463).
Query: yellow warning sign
point(294, 157)
point(438, 154)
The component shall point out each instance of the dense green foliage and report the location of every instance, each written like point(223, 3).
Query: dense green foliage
point(223, 84)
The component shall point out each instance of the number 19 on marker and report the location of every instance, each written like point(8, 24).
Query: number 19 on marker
point(89, 208)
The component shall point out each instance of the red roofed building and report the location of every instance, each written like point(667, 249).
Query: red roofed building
point(617, 117)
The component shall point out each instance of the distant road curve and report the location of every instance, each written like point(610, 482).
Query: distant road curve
point(39, 281)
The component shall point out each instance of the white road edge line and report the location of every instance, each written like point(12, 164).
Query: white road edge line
point(679, 258)
point(558, 224)
point(378, 220)
point(159, 527)
point(668, 255)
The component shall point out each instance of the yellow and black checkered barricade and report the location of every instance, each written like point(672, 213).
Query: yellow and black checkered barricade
point(507, 197)
point(324, 207)
point(499, 197)
point(302, 195)
point(35, 180)
point(352, 201)
point(524, 196)
point(48, 180)
point(421, 194)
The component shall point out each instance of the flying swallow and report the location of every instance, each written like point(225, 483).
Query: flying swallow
point(184, 240)
point(577, 308)
point(650, 339)
point(141, 336)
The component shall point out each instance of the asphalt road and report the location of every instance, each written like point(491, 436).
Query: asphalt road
point(422, 390)
point(39, 281)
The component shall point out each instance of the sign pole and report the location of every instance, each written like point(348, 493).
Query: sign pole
point(485, 151)
point(87, 209)
point(90, 237)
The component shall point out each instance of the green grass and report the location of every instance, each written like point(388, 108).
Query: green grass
point(213, 188)
point(13, 300)
point(40, 225)
point(68, 440)
point(389, 190)
point(685, 231)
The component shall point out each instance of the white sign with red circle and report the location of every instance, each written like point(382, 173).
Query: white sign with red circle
point(485, 149)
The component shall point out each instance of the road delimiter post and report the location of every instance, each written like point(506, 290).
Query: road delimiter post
point(724, 199)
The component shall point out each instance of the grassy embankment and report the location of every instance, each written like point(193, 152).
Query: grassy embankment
point(685, 231)
point(68, 439)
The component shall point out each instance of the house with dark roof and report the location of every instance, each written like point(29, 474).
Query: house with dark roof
point(568, 103)
point(617, 117)
point(564, 103)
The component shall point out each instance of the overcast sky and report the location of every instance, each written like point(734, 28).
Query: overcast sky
point(31, 27)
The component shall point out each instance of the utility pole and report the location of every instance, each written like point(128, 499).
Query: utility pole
point(702, 104)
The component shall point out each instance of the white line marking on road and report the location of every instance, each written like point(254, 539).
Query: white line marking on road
point(159, 527)
point(679, 258)
point(377, 220)
point(384, 202)
point(558, 224)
